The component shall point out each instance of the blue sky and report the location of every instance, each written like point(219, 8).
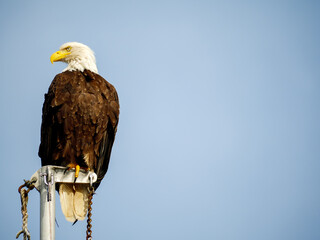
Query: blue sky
point(219, 127)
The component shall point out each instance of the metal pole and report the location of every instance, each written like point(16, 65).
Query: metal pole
point(47, 205)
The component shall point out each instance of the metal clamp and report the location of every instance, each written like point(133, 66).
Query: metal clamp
point(48, 184)
point(91, 176)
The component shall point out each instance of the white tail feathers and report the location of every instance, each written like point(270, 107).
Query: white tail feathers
point(74, 201)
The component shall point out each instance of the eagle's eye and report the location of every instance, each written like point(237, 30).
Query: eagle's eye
point(68, 49)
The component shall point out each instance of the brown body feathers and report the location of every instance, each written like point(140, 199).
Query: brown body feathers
point(79, 121)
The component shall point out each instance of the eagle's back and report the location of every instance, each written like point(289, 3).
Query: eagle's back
point(79, 121)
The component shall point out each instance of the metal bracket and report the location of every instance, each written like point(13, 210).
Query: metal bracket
point(60, 175)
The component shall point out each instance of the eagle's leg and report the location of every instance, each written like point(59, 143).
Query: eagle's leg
point(77, 169)
point(73, 166)
point(76, 175)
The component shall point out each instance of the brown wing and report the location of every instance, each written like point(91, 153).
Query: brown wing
point(105, 137)
point(79, 122)
point(49, 128)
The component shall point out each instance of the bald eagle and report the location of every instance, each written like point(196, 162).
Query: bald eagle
point(79, 122)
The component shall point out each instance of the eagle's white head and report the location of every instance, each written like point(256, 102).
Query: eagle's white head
point(77, 55)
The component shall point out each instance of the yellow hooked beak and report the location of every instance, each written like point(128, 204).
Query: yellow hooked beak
point(57, 56)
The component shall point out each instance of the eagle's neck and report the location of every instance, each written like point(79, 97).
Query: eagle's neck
point(82, 64)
